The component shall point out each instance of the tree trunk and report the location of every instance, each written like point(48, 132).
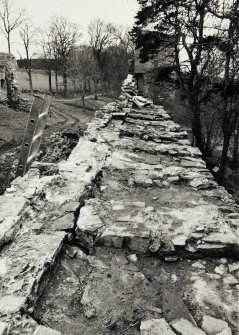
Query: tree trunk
point(235, 158)
point(223, 163)
point(56, 80)
point(197, 125)
point(65, 83)
point(8, 42)
point(95, 91)
point(30, 80)
point(83, 101)
point(49, 80)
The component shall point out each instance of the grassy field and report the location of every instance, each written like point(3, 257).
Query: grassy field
point(39, 78)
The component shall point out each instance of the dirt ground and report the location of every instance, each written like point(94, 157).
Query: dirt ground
point(66, 114)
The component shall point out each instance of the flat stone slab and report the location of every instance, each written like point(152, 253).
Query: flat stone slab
point(155, 327)
point(26, 262)
point(215, 326)
point(41, 330)
point(4, 328)
point(185, 327)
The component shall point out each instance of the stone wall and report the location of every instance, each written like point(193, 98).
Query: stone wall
point(8, 66)
point(132, 183)
point(153, 79)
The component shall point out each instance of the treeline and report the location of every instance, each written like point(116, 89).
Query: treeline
point(203, 36)
point(99, 65)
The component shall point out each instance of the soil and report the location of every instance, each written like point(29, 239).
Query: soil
point(109, 294)
point(67, 116)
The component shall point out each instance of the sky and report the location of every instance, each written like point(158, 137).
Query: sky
point(80, 12)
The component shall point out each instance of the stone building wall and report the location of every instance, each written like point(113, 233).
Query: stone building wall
point(152, 79)
point(9, 85)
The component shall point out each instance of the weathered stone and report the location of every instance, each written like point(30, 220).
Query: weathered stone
point(198, 265)
point(213, 326)
point(88, 220)
point(4, 328)
point(155, 327)
point(233, 267)
point(11, 304)
point(221, 269)
point(185, 327)
point(65, 222)
point(179, 240)
point(226, 238)
point(70, 206)
point(41, 330)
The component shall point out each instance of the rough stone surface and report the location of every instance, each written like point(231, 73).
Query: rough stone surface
point(4, 328)
point(155, 327)
point(185, 327)
point(132, 183)
point(41, 330)
point(213, 326)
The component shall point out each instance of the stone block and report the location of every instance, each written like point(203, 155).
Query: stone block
point(41, 330)
point(185, 327)
point(213, 326)
point(112, 241)
point(11, 303)
point(155, 327)
point(138, 244)
point(4, 328)
point(65, 222)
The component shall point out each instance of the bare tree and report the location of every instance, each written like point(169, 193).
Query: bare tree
point(48, 56)
point(101, 37)
point(28, 35)
point(11, 20)
point(64, 35)
point(81, 69)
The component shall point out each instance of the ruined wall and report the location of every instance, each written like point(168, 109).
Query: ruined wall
point(134, 184)
point(8, 66)
point(152, 78)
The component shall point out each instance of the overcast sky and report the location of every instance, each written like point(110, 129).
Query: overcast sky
point(78, 11)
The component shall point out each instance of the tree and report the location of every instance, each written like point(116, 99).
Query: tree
point(227, 15)
point(28, 35)
point(101, 37)
point(48, 56)
point(81, 69)
point(64, 37)
point(10, 19)
point(180, 25)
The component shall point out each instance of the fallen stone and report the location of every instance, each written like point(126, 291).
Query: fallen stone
point(230, 280)
point(221, 238)
point(70, 206)
point(179, 241)
point(221, 269)
point(10, 304)
point(155, 327)
point(185, 327)
point(171, 258)
point(233, 267)
point(41, 330)
point(132, 258)
point(198, 265)
point(4, 328)
point(65, 222)
point(213, 326)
